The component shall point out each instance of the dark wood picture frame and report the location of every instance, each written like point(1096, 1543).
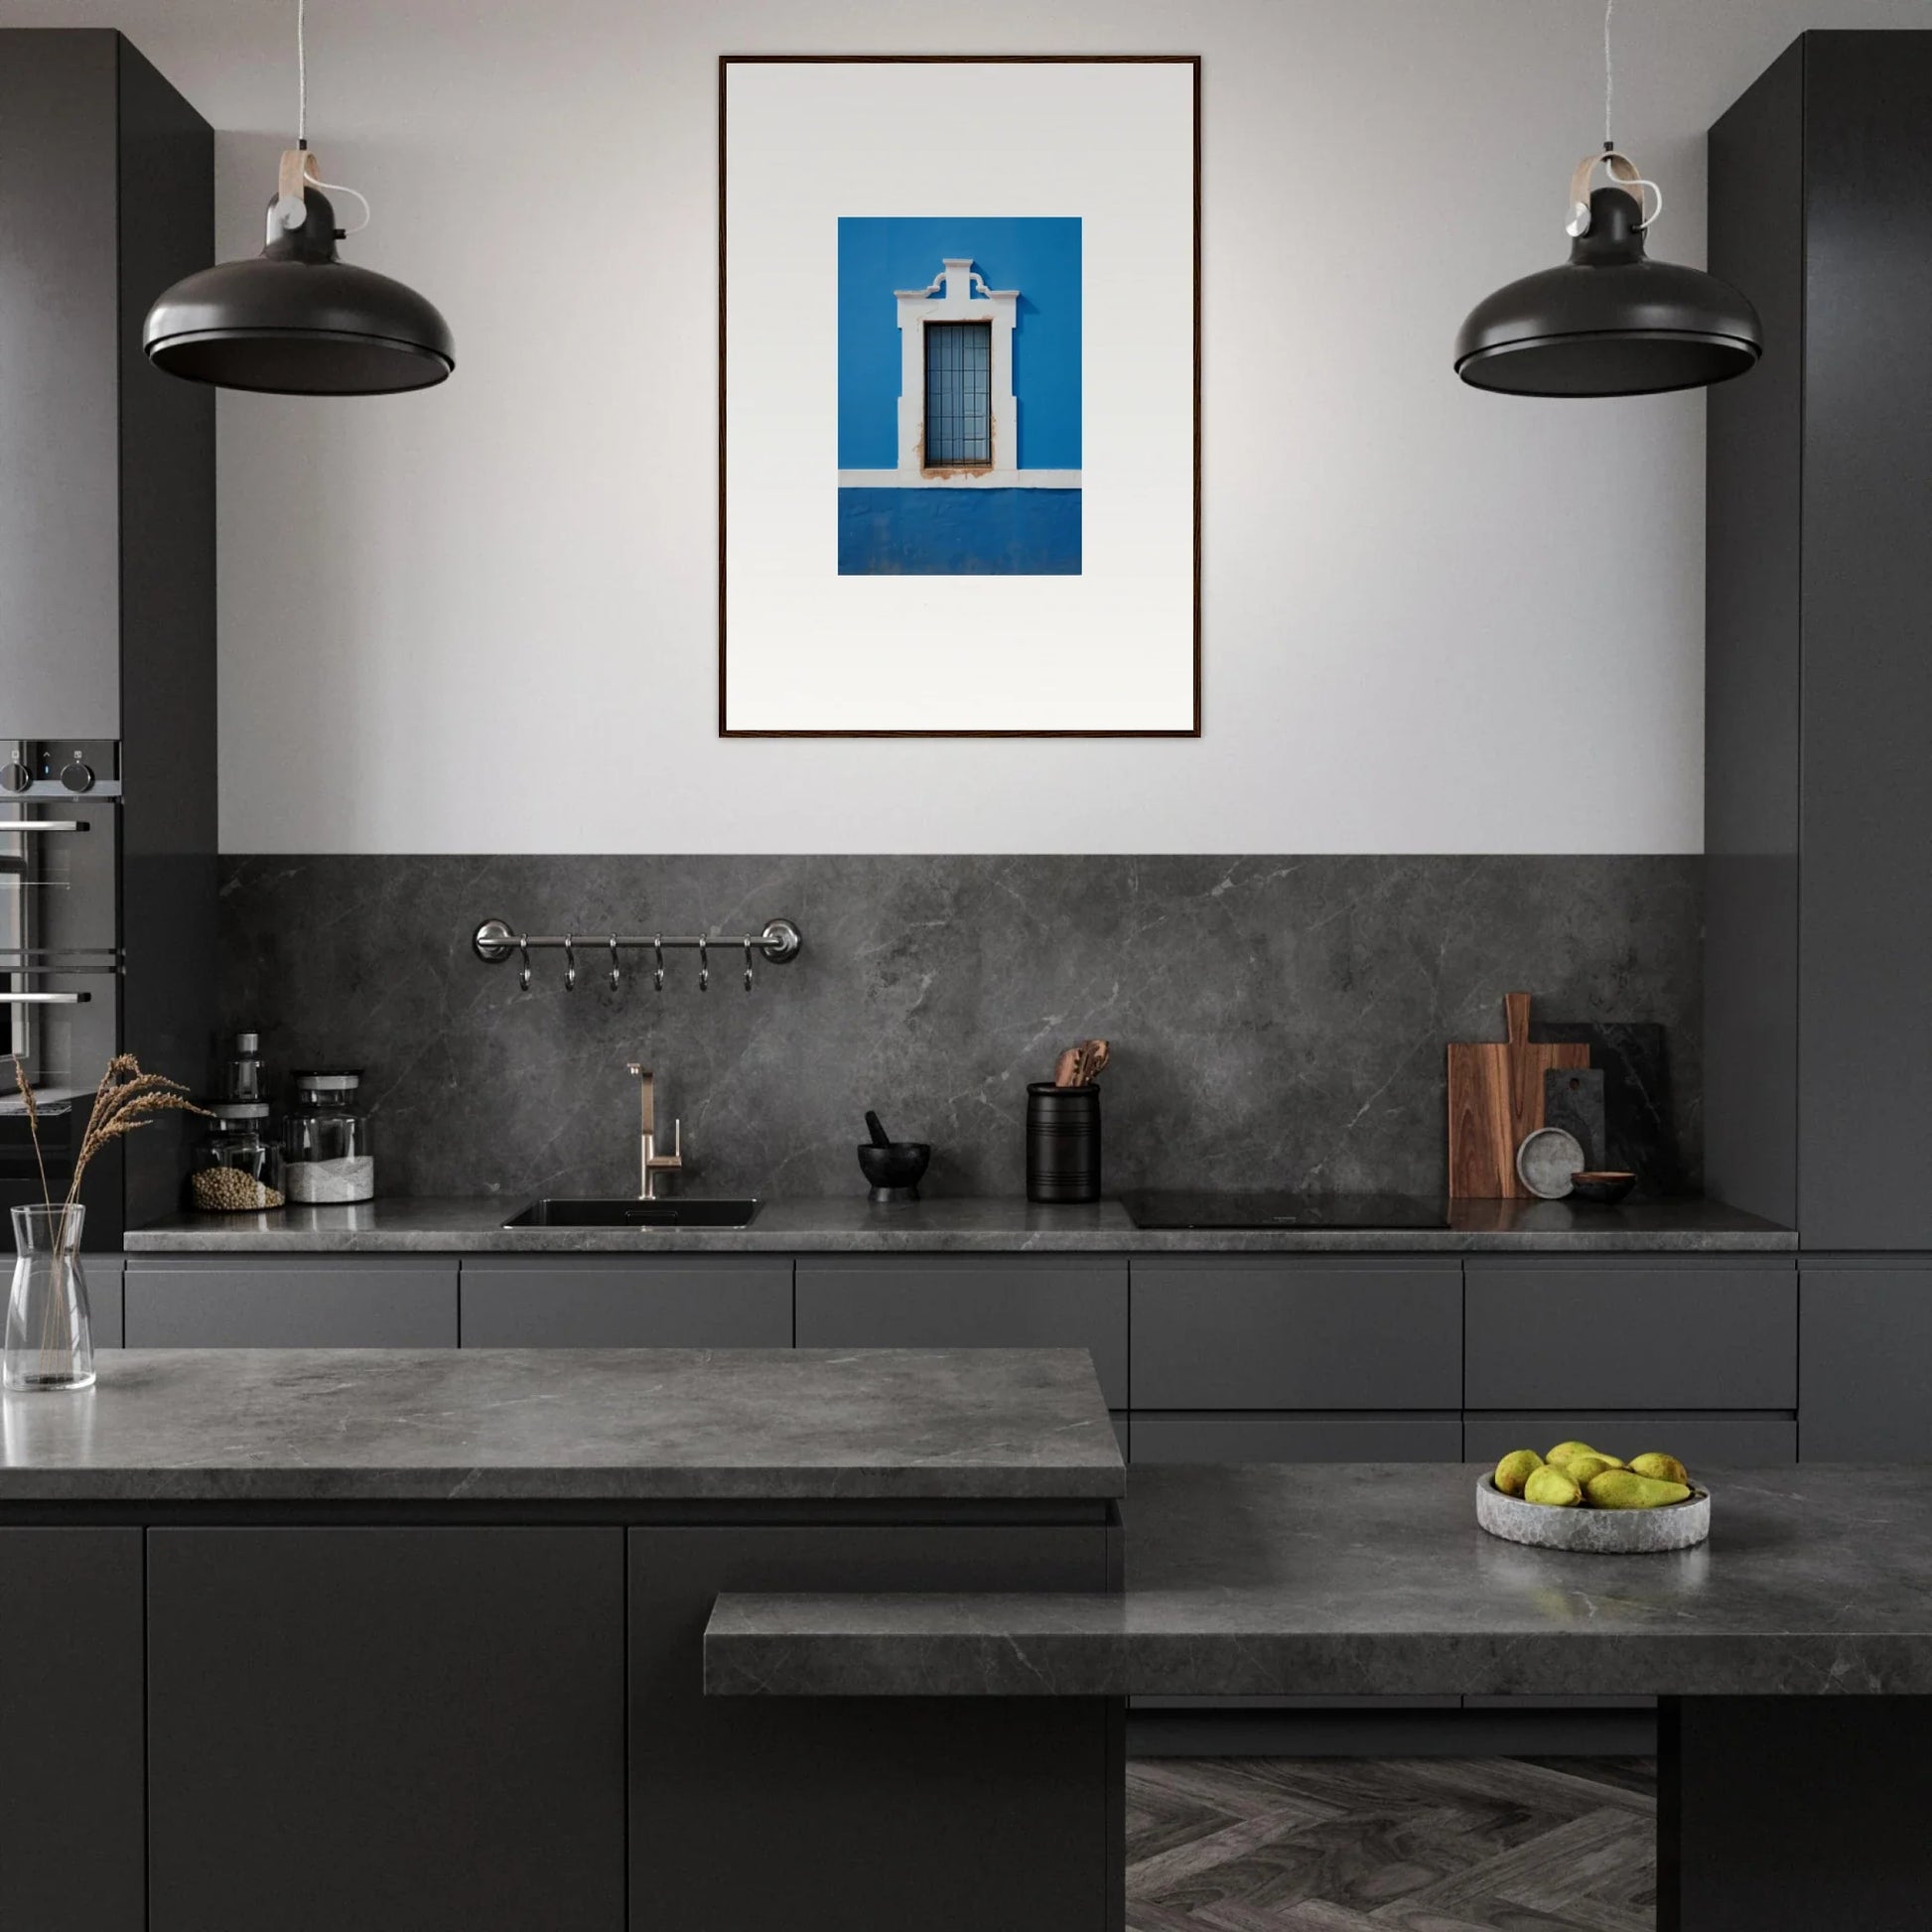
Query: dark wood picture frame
point(727, 61)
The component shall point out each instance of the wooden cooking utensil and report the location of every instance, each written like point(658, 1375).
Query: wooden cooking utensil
point(1495, 1099)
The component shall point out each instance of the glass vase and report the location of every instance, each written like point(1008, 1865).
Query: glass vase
point(49, 1337)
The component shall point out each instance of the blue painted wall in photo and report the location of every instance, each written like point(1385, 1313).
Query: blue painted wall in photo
point(1039, 256)
point(959, 532)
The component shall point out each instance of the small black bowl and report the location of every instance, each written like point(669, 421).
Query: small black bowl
point(895, 1170)
point(1606, 1186)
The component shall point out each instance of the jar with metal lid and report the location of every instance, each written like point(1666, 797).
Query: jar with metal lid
point(326, 1139)
point(237, 1166)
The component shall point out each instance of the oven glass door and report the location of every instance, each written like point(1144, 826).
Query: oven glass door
point(60, 979)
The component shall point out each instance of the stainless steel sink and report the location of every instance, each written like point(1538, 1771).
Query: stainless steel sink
point(620, 1214)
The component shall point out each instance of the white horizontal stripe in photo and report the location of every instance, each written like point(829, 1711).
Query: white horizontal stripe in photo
point(1111, 648)
point(959, 479)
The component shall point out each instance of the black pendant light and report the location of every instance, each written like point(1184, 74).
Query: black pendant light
point(297, 320)
point(1609, 322)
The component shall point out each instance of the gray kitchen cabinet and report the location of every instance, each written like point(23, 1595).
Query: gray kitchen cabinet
point(1272, 1332)
point(103, 1272)
point(319, 1302)
point(1865, 1349)
point(73, 1827)
point(1737, 1440)
point(620, 1301)
point(1297, 1438)
point(1608, 1333)
point(965, 1301)
point(385, 1727)
point(727, 1834)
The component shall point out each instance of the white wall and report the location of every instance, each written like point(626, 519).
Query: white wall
point(483, 618)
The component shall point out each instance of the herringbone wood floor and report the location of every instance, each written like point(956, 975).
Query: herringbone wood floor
point(1391, 1845)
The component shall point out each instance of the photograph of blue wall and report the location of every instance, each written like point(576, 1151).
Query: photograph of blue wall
point(959, 397)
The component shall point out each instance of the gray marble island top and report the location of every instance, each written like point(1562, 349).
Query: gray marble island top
point(1289, 1580)
point(961, 1225)
point(576, 1426)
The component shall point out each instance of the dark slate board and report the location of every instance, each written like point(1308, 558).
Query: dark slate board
point(1637, 1119)
point(1573, 1099)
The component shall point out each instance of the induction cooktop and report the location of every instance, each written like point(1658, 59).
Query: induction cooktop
point(1261, 1211)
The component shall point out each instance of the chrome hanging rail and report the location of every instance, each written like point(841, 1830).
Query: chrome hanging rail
point(495, 940)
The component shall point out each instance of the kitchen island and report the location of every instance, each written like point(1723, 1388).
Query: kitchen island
point(1793, 1651)
point(315, 1639)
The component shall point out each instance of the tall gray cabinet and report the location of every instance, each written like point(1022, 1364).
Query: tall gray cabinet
point(1819, 716)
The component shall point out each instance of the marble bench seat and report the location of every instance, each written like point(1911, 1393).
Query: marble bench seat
point(1287, 1579)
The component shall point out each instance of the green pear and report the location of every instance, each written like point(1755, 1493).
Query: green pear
point(1549, 1486)
point(1580, 1468)
point(1515, 1469)
point(1563, 1451)
point(1625, 1489)
point(1665, 1468)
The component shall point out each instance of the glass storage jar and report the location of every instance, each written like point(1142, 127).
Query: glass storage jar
point(237, 1168)
point(330, 1157)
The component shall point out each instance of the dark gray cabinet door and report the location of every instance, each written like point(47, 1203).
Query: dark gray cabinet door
point(103, 1272)
point(835, 1814)
point(1298, 1439)
point(72, 1834)
point(418, 1727)
point(1739, 1441)
point(265, 1302)
point(1865, 1345)
point(1605, 1334)
point(686, 1301)
point(1263, 1332)
point(59, 390)
point(959, 1301)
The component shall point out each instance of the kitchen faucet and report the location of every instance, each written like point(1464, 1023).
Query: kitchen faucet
point(650, 1162)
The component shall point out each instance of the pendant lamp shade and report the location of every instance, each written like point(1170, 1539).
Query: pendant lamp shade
point(297, 320)
point(1609, 322)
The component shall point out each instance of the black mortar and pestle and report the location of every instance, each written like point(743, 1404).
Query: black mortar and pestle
point(892, 1167)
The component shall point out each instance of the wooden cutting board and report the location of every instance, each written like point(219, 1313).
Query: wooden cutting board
point(1495, 1099)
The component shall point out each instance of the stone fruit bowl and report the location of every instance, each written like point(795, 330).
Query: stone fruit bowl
point(1601, 1532)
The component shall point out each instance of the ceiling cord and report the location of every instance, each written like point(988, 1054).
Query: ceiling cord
point(302, 73)
point(1609, 7)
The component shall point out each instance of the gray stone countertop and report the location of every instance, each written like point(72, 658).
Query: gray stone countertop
point(1292, 1580)
point(550, 1425)
point(959, 1226)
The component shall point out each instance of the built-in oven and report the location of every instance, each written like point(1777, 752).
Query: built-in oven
point(60, 964)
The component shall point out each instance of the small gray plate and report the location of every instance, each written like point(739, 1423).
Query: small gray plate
point(1546, 1160)
point(1595, 1532)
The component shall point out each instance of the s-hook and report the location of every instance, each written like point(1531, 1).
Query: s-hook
point(704, 965)
point(657, 977)
point(523, 946)
point(748, 965)
point(616, 971)
point(569, 962)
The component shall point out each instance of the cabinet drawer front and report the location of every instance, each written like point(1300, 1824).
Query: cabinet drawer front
point(394, 1726)
point(699, 1302)
point(1734, 1442)
point(1297, 1439)
point(947, 1302)
point(1867, 1364)
point(1236, 1333)
point(377, 1302)
point(1603, 1337)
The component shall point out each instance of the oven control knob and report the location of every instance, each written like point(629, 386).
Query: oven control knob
point(78, 776)
point(14, 776)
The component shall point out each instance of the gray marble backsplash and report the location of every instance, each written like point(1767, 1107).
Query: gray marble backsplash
point(1276, 1022)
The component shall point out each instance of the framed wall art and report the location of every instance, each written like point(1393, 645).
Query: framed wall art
point(959, 397)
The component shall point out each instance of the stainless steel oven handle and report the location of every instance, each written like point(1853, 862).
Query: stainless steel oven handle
point(44, 825)
point(44, 998)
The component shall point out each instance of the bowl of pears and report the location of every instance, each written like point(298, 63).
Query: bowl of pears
point(1581, 1498)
